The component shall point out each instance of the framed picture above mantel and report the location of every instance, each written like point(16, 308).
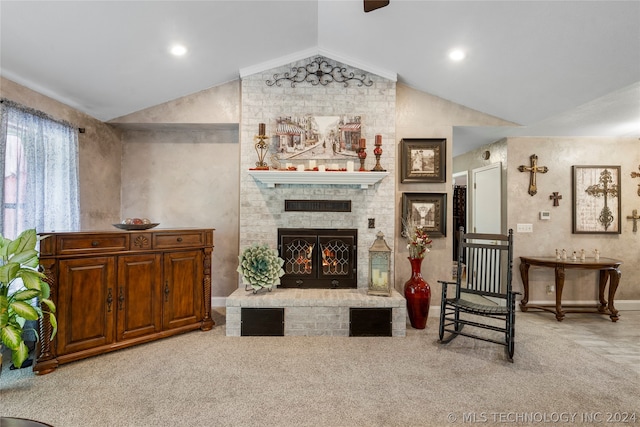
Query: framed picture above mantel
point(423, 159)
point(596, 199)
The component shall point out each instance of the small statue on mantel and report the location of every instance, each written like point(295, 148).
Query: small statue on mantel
point(596, 254)
point(564, 254)
point(574, 256)
point(583, 256)
point(557, 254)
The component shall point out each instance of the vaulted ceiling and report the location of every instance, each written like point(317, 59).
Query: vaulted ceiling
point(554, 67)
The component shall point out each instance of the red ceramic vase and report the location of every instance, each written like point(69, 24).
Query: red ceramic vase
point(418, 295)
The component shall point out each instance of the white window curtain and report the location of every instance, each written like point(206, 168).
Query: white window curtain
point(39, 163)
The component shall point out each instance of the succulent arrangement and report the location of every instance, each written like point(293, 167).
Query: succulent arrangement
point(261, 267)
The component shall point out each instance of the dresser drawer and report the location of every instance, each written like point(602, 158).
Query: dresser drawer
point(178, 239)
point(87, 243)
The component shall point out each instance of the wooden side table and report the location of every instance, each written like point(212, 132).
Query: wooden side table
point(609, 269)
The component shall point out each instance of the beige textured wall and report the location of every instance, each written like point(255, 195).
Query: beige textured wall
point(99, 152)
point(180, 167)
point(559, 155)
point(421, 115)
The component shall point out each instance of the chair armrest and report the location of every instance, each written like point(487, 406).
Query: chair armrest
point(445, 285)
point(445, 282)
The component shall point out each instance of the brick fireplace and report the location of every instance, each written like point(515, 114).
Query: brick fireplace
point(262, 207)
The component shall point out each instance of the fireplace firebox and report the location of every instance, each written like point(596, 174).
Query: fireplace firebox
point(318, 258)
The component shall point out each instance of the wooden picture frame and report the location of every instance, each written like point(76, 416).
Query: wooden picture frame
point(596, 200)
point(423, 160)
point(429, 208)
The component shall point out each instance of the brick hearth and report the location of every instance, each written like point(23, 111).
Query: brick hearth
point(314, 312)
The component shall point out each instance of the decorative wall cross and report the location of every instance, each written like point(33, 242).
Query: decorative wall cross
point(604, 188)
point(636, 175)
point(556, 197)
point(533, 189)
point(634, 216)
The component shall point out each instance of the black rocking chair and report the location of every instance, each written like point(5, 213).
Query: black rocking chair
point(484, 291)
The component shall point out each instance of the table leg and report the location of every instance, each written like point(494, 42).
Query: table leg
point(614, 280)
point(559, 286)
point(602, 284)
point(524, 274)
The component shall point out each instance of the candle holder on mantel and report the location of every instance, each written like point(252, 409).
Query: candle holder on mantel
point(261, 147)
point(362, 154)
point(378, 152)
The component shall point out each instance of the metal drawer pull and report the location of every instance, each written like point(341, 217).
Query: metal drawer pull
point(109, 300)
point(95, 243)
point(179, 239)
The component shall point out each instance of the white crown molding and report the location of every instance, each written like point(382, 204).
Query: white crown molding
point(307, 53)
point(389, 75)
point(278, 62)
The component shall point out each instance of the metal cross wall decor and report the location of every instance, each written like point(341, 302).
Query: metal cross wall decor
point(634, 217)
point(533, 189)
point(636, 175)
point(319, 71)
point(608, 189)
point(556, 197)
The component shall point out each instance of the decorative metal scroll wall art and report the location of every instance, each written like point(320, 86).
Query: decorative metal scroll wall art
point(320, 72)
point(596, 199)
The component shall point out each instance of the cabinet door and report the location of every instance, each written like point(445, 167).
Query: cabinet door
point(139, 296)
point(86, 304)
point(183, 277)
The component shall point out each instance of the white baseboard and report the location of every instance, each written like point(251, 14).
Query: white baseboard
point(434, 310)
point(621, 305)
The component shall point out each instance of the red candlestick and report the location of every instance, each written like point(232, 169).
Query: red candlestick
point(378, 140)
point(261, 130)
point(363, 143)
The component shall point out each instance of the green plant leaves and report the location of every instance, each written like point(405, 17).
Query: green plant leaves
point(20, 354)
point(19, 260)
point(24, 310)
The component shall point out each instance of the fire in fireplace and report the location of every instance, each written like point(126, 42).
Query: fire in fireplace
point(318, 257)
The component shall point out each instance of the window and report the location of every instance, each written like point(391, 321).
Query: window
point(39, 166)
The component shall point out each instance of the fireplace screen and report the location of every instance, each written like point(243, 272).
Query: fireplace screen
point(318, 258)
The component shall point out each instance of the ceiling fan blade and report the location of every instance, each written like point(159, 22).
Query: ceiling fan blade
point(370, 5)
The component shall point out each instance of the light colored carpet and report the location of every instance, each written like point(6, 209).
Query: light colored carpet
point(208, 379)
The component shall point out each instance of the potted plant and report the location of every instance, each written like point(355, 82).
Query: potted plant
point(21, 292)
point(261, 267)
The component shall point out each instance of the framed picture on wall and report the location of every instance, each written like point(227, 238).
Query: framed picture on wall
point(426, 210)
point(596, 199)
point(423, 160)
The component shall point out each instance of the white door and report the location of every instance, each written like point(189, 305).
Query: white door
point(487, 199)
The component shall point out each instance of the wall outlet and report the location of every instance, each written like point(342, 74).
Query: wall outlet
point(524, 228)
point(550, 289)
point(372, 223)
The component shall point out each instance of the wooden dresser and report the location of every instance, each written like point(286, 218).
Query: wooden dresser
point(115, 289)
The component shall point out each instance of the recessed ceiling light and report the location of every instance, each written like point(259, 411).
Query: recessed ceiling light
point(457, 55)
point(178, 50)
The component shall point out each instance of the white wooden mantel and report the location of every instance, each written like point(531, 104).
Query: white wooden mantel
point(363, 179)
